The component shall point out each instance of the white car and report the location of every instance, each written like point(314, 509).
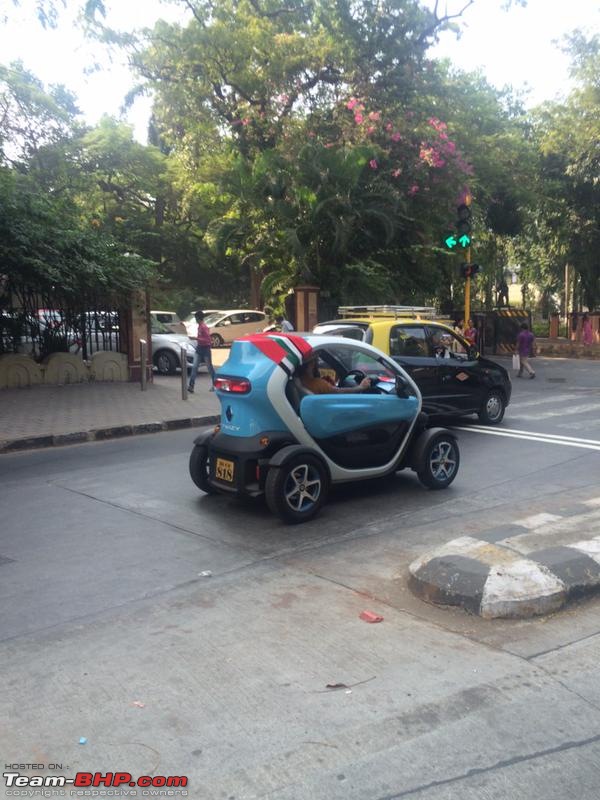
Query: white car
point(170, 319)
point(225, 326)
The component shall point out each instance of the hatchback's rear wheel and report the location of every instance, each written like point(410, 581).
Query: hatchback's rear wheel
point(216, 340)
point(440, 462)
point(493, 408)
point(297, 490)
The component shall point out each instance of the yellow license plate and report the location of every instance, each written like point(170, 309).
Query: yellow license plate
point(224, 470)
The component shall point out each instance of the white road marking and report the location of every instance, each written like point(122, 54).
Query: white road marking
point(535, 437)
point(536, 520)
point(593, 502)
point(557, 398)
point(484, 428)
point(549, 531)
point(569, 411)
point(591, 548)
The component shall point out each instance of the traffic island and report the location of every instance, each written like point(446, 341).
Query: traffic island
point(496, 581)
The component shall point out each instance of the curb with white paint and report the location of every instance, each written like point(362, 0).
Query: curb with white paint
point(493, 579)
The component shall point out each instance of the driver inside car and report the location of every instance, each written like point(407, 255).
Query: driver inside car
point(441, 345)
point(308, 373)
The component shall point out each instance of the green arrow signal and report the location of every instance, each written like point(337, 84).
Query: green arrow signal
point(464, 240)
point(451, 242)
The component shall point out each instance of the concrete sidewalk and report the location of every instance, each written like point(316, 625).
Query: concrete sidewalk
point(46, 416)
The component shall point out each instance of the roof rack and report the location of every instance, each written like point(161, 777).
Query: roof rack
point(416, 312)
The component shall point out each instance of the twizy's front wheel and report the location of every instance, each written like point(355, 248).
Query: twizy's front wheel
point(199, 468)
point(440, 462)
point(297, 489)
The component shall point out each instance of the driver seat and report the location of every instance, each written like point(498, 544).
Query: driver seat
point(295, 390)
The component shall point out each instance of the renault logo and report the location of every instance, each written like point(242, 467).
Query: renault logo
point(229, 413)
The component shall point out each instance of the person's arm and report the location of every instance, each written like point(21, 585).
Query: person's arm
point(362, 387)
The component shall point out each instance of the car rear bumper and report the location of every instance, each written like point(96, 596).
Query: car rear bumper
point(239, 465)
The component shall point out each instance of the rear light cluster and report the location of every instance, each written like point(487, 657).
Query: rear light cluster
point(233, 385)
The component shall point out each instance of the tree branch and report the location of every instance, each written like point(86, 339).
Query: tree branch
point(274, 14)
point(441, 20)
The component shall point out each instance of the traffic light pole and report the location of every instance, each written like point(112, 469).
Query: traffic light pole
point(468, 291)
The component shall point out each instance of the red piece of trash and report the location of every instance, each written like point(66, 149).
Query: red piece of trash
point(369, 616)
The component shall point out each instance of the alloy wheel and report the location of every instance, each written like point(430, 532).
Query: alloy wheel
point(442, 462)
point(302, 487)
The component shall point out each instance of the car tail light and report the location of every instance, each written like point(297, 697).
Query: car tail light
point(233, 385)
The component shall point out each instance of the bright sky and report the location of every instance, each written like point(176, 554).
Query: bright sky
point(515, 47)
point(520, 47)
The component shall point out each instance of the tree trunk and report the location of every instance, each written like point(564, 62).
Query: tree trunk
point(255, 301)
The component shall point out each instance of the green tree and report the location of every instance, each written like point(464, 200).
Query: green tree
point(567, 215)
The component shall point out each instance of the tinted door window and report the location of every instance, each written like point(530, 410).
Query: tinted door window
point(409, 341)
point(460, 380)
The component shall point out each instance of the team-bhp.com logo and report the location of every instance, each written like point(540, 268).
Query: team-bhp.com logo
point(95, 784)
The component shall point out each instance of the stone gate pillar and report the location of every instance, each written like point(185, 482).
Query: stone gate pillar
point(306, 307)
point(135, 325)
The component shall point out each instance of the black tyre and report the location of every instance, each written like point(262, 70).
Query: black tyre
point(199, 468)
point(297, 490)
point(165, 362)
point(493, 408)
point(440, 463)
point(216, 340)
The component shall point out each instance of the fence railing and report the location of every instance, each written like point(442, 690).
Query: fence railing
point(37, 329)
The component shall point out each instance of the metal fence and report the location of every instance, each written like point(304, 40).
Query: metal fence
point(37, 325)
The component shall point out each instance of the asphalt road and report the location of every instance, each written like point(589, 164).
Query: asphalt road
point(105, 608)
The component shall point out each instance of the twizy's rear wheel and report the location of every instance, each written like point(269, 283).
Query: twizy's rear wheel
point(297, 490)
point(199, 467)
point(440, 462)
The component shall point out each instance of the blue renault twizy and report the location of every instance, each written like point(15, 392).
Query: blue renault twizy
point(278, 439)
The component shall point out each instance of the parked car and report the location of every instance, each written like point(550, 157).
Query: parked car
point(35, 335)
point(453, 378)
point(101, 332)
point(166, 349)
point(170, 319)
point(225, 326)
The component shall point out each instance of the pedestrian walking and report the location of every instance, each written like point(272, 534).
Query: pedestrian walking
point(471, 333)
point(202, 354)
point(525, 341)
point(458, 328)
point(587, 332)
point(285, 326)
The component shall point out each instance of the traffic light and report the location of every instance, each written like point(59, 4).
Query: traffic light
point(461, 237)
point(463, 225)
point(469, 270)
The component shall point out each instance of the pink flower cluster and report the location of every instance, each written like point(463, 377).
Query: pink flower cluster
point(435, 154)
point(431, 156)
point(358, 108)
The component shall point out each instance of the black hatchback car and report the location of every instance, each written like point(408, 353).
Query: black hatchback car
point(453, 378)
